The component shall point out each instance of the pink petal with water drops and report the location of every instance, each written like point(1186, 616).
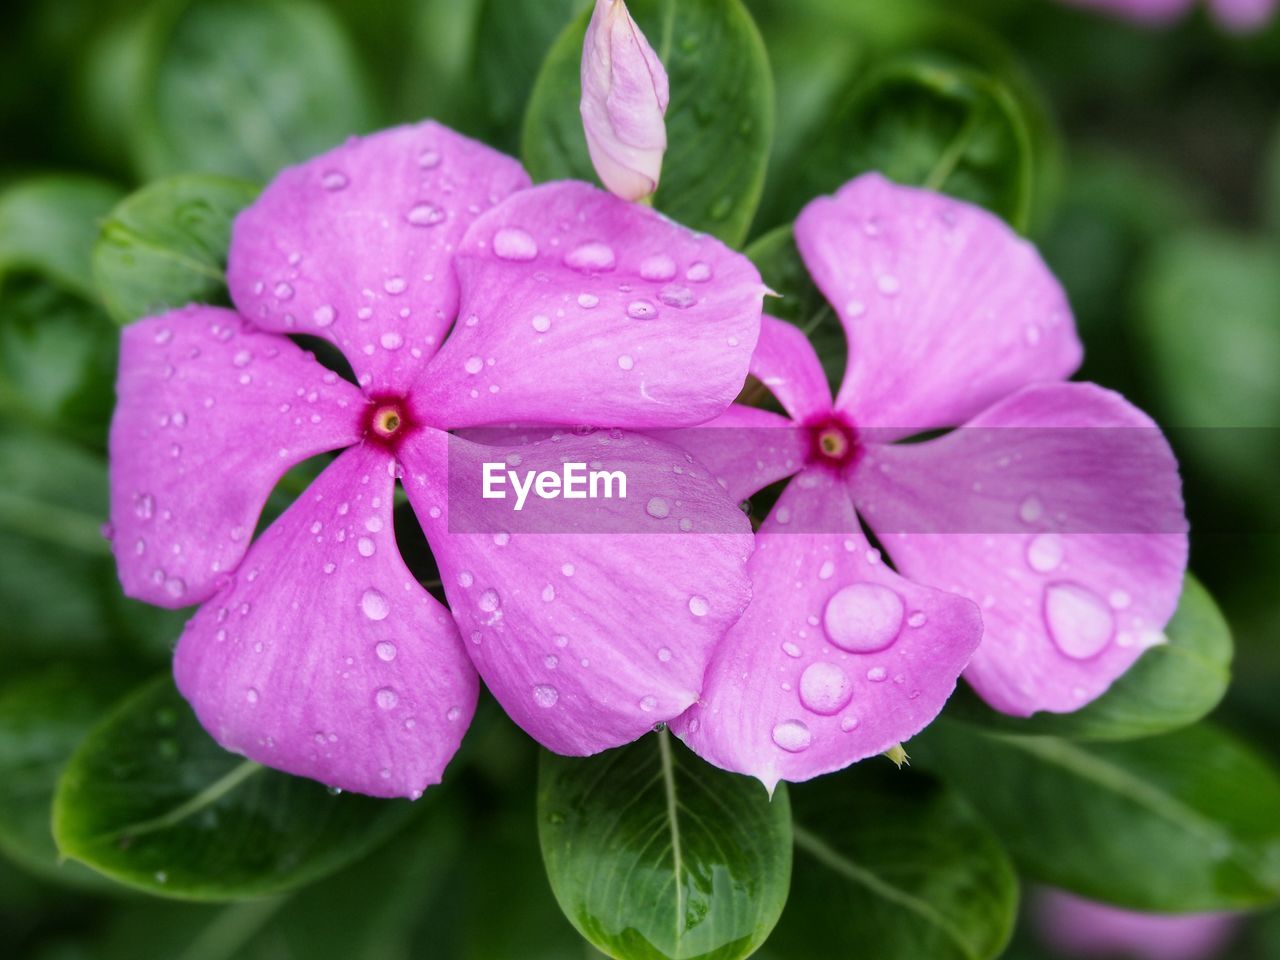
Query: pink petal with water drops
point(785, 362)
point(578, 307)
point(946, 309)
point(323, 657)
point(836, 659)
point(590, 636)
point(1059, 511)
point(745, 448)
point(211, 413)
point(354, 245)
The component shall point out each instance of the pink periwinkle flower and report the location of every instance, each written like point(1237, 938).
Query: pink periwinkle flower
point(461, 297)
point(624, 100)
point(1081, 928)
point(1238, 16)
point(1050, 527)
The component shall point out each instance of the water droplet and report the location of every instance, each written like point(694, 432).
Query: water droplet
point(641, 310)
point(863, 617)
point(877, 674)
point(587, 300)
point(648, 704)
point(698, 272)
point(1045, 552)
point(1080, 624)
point(394, 285)
point(465, 579)
point(888, 284)
point(792, 736)
point(386, 698)
point(365, 546)
point(242, 358)
point(827, 570)
point(657, 507)
point(567, 569)
point(251, 695)
point(501, 538)
point(283, 291)
point(848, 724)
point(512, 243)
point(386, 651)
point(1031, 510)
point(175, 587)
point(541, 323)
point(664, 654)
point(917, 619)
point(699, 606)
point(674, 295)
point(545, 695)
point(473, 365)
point(825, 688)
point(144, 506)
point(548, 593)
point(489, 601)
point(590, 257)
point(1118, 599)
point(334, 180)
point(425, 215)
point(391, 340)
point(658, 267)
point(429, 159)
point(323, 316)
point(374, 604)
point(625, 362)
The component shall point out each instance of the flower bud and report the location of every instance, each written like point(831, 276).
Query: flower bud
point(624, 97)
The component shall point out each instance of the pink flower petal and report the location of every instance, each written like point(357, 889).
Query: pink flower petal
point(946, 309)
point(836, 659)
point(355, 245)
point(744, 448)
point(1060, 512)
point(324, 657)
point(580, 308)
point(624, 98)
point(590, 636)
point(211, 413)
point(1243, 16)
point(785, 362)
point(1082, 928)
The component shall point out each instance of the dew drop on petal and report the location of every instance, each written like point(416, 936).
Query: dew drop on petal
point(674, 295)
point(626, 362)
point(365, 547)
point(473, 365)
point(374, 604)
point(1031, 510)
point(334, 180)
point(386, 651)
point(648, 704)
point(545, 695)
point(1079, 623)
point(588, 300)
point(541, 323)
point(699, 606)
point(1045, 552)
point(590, 257)
point(659, 267)
point(917, 619)
point(425, 215)
point(323, 315)
point(512, 243)
point(825, 688)
point(386, 698)
point(863, 617)
point(489, 601)
point(792, 736)
point(641, 310)
point(657, 507)
point(698, 272)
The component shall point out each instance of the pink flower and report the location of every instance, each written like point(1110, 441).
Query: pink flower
point(1004, 531)
point(316, 651)
point(1238, 16)
point(624, 98)
point(1082, 928)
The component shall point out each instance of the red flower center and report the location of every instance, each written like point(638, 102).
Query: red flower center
point(387, 421)
point(833, 442)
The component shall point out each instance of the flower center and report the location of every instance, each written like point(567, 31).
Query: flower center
point(832, 441)
point(387, 421)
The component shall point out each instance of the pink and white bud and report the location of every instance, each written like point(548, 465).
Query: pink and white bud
point(624, 98)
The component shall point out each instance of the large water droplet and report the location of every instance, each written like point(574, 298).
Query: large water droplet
point(1080, 624)
point(590, 257)
point(658, 267)
point(699, 606)
point(473, 365)
point(489, 601)
point(825, 688)
point(512, 243)
point(374, 604)
point(792, 736)
point(545, 695)
point(863, 617)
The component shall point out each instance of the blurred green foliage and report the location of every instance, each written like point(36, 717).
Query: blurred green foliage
point(1145, 164)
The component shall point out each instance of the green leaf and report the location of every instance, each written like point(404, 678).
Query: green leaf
point(245, 87)
point(654, 854)
point(1179, 822)
point(719, 121)
point(1172, 685)
point(166, 245)
point(891, 864)
point(43, 715)
point(931, 122)
point(48, 225)
point(150, 800)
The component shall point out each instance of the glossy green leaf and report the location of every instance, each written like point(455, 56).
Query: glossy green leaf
point(1179, 822)
point(654, 854)
point(150, 800)
point(932, 122)
point(1172, 685)
point(166, 245)
point(245, 87)
point(43, 715)
point(719, 121)
point(891, 864)
point(48, 225)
